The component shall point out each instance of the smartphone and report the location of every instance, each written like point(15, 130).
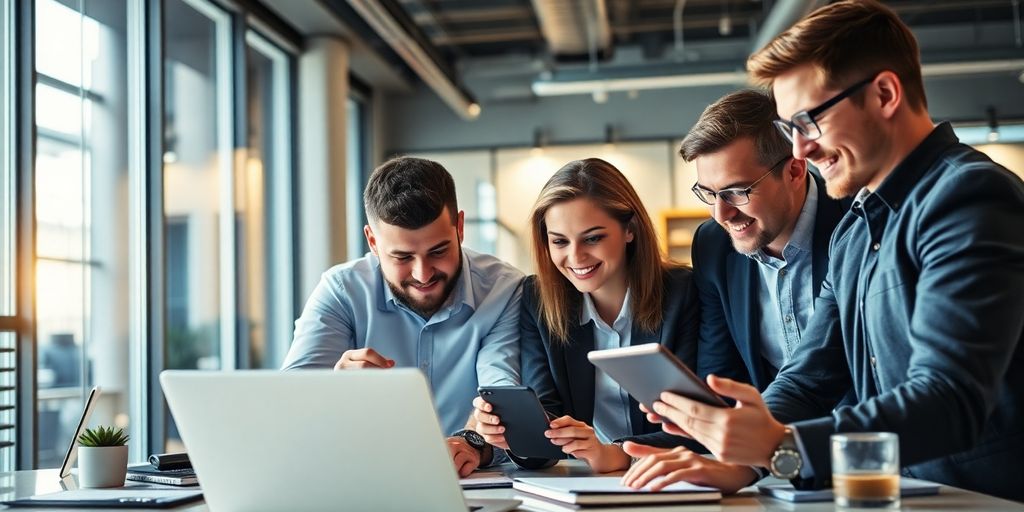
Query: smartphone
point(524, 419)
point(645, 371)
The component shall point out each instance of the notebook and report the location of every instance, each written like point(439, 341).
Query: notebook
point(145, 472)
point(909, 487)
point(534, 502)
point(606, 490)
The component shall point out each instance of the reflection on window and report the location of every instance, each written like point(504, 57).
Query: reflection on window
point(6, 170)
point(81, 213)
point(263, 195)
point(198, 180)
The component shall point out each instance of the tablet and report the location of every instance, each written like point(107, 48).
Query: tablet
point(72, 454)
point(645, 371)
point(524, 419)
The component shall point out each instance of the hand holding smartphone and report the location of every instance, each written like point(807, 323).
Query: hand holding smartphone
point(524, 419)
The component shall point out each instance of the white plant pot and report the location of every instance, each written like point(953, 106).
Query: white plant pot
point(102, 466)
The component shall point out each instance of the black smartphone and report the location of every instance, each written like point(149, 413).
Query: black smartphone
point(524, 420)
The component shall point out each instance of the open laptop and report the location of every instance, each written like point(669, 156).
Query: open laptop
point(316, 440)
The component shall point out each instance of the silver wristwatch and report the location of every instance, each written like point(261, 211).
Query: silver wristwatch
point(786, 461)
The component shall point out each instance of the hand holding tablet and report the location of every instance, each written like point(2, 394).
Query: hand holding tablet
point(645, 371)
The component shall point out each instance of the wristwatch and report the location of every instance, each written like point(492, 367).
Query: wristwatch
point(786, 461)
point(473, 438)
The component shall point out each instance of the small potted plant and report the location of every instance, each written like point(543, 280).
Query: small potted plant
point(102, 457)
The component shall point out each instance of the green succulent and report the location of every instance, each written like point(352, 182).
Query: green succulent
point(103, 436)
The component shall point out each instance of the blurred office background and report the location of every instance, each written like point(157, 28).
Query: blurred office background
point(176, 174)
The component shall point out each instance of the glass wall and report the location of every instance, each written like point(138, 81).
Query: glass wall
point(8, 338)
point(81, 213)
point(263, 202)
point(198, 179)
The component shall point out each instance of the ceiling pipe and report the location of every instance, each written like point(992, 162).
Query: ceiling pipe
point(416, 57)
point(574, 27)
point(782, 16)
point(739, 78)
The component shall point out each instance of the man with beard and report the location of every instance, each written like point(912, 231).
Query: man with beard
point(920, 312)
point(418, 299)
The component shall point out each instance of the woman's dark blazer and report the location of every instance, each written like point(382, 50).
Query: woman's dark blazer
point(562, 376)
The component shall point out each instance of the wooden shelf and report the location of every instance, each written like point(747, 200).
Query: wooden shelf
point(676, 230)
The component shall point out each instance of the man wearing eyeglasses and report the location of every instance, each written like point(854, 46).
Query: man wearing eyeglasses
point(759, 263)
point(922, 311)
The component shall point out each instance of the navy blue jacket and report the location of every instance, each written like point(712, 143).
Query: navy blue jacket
point(922, 314)
point(728, 284)
point(562, 376)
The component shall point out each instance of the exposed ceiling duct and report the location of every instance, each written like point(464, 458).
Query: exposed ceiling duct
point(575, 27)
point(782, 16)
point(416, 57)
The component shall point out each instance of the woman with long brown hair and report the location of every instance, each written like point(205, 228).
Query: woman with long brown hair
point(602, 282)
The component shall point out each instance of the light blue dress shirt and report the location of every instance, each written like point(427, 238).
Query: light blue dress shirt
point(611, 403)
point(473, 340)
point(787, 290)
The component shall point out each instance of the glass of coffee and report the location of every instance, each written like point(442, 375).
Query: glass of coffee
point(866, 470)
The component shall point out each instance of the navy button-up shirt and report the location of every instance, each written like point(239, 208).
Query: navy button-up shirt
point(922, 314)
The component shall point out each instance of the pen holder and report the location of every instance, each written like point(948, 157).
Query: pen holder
point(102, 466)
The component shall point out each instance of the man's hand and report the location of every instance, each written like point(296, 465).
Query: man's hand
point(579, 440)
point(667, 426)
point(673, 465)
point(363, 358)
point(464, 457)
point(488, 424)
point(746, 434)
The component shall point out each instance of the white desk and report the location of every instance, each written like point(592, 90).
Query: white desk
point(27, 483)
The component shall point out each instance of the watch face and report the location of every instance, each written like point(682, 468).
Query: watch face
point(474, 439)
point(786, 464)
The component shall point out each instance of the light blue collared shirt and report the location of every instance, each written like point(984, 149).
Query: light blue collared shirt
point(788, 286)
point(473, 340)
point(611, 403)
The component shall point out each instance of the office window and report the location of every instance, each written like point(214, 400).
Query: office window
point(8, 338)
point(264, 206)
point(6, 165)
point(81, 209)
point(358, 170)
point(198, 180)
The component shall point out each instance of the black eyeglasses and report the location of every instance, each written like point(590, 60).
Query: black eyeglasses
point(804, 121)
point(735, 196)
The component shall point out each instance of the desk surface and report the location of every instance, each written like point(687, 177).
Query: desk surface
point(21, 484)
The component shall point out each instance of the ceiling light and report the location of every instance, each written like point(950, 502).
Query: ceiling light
point(551, 86)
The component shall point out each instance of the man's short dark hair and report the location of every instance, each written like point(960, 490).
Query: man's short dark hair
point(409, 193)
point(742, 114)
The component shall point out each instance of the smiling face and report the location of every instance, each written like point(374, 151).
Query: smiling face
point(588, 246)
point(775, 202)
point(853, 144)
point(421, 266)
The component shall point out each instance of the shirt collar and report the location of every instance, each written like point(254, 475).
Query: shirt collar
point(461, 294)
point(906, 174)
point(803, 231)
point(589, 311)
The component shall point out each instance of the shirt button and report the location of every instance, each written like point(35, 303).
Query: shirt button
point(782, 273)
point(876, 246)
point(872, 360)
point(424, 365)
point(789, 318)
